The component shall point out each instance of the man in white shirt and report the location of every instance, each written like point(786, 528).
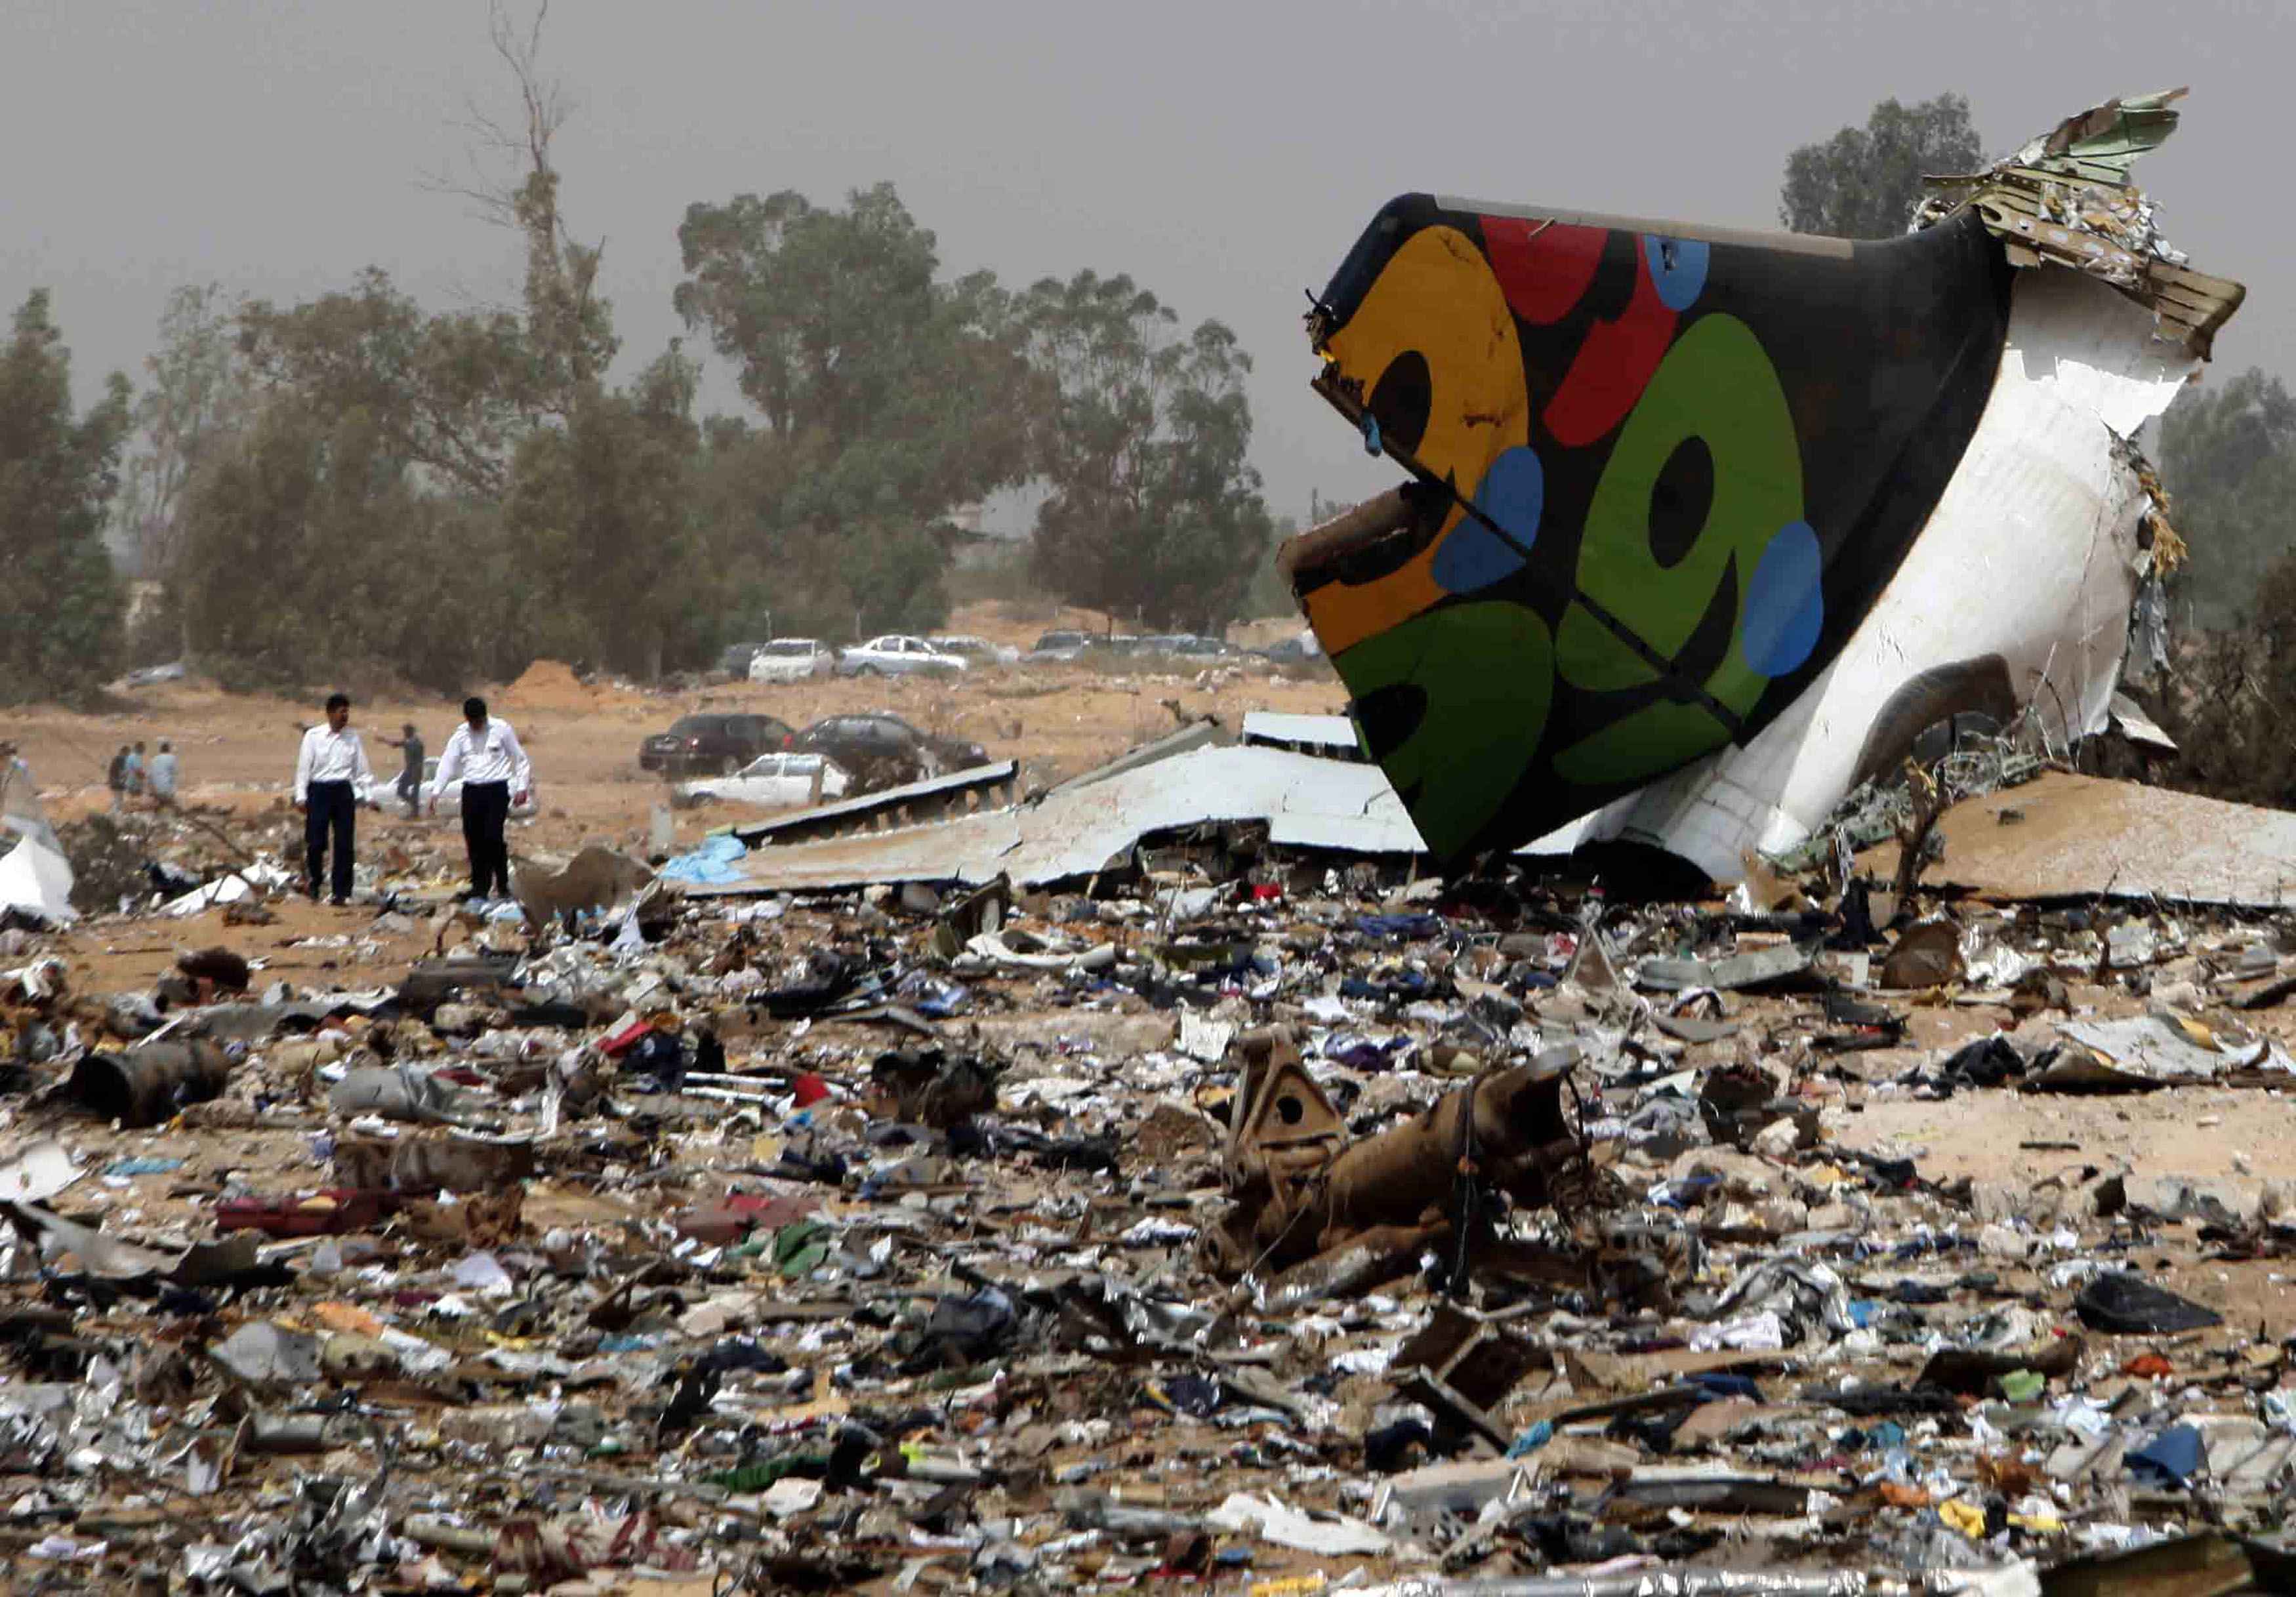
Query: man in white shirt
point(485, 754)
point(328, 774)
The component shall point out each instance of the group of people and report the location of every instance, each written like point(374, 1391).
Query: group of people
point(331, 767)
point(132, 776)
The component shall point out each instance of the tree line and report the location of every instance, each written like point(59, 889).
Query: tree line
point(359, 482)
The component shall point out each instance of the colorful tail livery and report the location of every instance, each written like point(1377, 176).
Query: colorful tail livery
point(1659, 475)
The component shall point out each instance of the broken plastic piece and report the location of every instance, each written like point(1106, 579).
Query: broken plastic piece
point(2126, 1305)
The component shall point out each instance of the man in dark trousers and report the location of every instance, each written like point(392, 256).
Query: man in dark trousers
point(329, 774)
point(410, 772)
point(485, 755)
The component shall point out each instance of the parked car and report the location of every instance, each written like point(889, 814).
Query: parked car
point(1060, 646)
point(975, 649)
point(712, 743)
point(896, 654)
point(782, 781)
point(147, 676)
point(883, 751)
point(380, 791)
point(1291, 650)
point(791, 659)
point(734, 660)
point(1184, 645)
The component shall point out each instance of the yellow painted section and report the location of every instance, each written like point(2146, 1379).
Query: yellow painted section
point(1437, 298)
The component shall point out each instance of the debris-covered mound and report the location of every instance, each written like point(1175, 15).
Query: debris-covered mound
point(1232, 1206)
point(108, 861)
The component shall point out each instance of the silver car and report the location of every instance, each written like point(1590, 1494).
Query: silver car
point(897, 654)
point(791, 659)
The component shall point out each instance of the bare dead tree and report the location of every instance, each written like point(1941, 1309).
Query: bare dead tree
point(500, 151)
point(509, 176)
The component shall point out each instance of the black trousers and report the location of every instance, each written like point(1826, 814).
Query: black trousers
point(331, 808)
point(486, 806)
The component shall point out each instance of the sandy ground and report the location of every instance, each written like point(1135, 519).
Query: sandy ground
point(238, 755)
point(238, 751)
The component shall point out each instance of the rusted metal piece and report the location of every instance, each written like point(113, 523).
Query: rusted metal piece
point(1509, 1123)
point(1282, 1134)
point(1300, 1190)
point(1369, 1260)
point(146, 1085)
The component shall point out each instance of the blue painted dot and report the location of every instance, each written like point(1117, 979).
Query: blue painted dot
point(1677, 268)
point(1785, 602)
point(1513, 493)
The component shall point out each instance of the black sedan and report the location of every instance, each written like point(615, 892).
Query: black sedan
point(884, 751)
point(715, 745)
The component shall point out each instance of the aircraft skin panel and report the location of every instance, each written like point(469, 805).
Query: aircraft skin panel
point(1660, 480)
point(2030, 562)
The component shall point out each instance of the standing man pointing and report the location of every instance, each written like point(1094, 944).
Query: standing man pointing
point(486, 755)
point(328, 771)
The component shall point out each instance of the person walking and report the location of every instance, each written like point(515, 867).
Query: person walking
point(410, 771)
point(17, 790)
point(495, 774)
point(163, 776)
point(115, 777)
point(328, 772)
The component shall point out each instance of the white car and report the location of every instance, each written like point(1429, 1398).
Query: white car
point(775, 781)
point(973, 648)
point(791, 659)
point(897, 654)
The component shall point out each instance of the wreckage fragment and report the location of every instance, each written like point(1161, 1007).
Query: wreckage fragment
point(1705, 526)
point(1299, 1189)
point(149, 1084)
point(2065, 199)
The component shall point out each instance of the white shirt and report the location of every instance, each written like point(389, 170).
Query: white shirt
point(329, 755)
point(493, 754)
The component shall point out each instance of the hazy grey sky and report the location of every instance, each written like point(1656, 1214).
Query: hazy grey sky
point(1225, 154)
